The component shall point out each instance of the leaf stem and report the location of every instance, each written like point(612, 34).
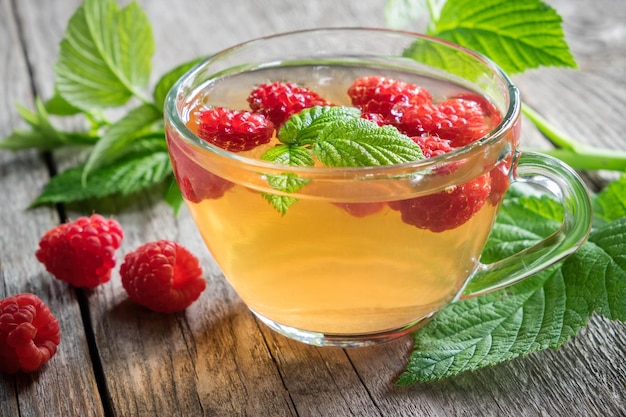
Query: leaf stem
point(590, 159)
point(577, 155)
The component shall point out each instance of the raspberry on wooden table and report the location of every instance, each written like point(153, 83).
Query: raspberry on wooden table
point(279, 100)
point(162, 276)
point(234, 130)
point(29, 333)
point(81, 252)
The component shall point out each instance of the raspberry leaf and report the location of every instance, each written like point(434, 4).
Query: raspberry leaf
point(105, 56)
point(166, 82)
point(288, 183)
point(122, 178)
point(541, 312)
point(114, 142)
point(610, 204)
point(43, 135)
point(598, 270)
point(280, 202)
point(289, 155)
point(518, 35)
point(304, 127)
point(359, 142)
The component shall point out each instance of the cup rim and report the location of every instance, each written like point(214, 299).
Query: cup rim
point(513, 109)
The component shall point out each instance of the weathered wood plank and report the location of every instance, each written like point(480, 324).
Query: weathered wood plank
point(67, 383)
point(218, 361)
point(215, 358)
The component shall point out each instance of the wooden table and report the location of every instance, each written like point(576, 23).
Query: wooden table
point(215, 359)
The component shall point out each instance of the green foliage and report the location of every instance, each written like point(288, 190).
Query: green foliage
point(539, 313)
point(104, 62)
point(337, 137)
point(105, 56)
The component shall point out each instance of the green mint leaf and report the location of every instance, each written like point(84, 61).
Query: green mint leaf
point(280, 202)
point(121, 178)
point(359, 142)
point(518, 35)
point(105, 56)
point(610, 204)
point(117, 137)
point(338, 137)
point(289, 155)
point(289, 183)
point(166, 82)
point(304, 127)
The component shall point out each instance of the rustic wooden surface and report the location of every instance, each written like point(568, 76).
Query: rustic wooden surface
point(215, 359)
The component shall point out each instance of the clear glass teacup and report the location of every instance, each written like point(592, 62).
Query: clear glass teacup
point(356, 255)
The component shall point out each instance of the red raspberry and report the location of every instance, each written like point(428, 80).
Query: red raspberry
point(361, 209)
point(379, 95)
point(82, 252)
point(162, 276)
point(277, 101)
point(447, 209)
point(499, 181)
point(488, 108)
point(432, 146)
point(457, 120)
point(195, 182)
point(29, 333)
point(374, 117)
point(234, 130)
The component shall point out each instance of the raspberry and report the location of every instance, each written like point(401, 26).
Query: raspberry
point(488, 108)
point(234, 130)
point(361, 209)
point(195, 183)
point(447, 209)
point(499, 181)
point(374, 117)
point(458, 120)
point(82, 252)
point(432, 146)
point(277, 101)
point(162, 276)
point(379, 94)
point(29, 333)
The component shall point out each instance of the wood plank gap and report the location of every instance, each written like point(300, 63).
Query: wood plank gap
point(22, 40)
point(94, 353)
point(363, 382)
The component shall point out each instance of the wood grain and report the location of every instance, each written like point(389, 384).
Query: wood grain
point(23, 175)
point(216, 359)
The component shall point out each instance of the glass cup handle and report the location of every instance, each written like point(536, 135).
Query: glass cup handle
point(561, 181)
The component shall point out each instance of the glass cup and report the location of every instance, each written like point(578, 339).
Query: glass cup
point(363, 254)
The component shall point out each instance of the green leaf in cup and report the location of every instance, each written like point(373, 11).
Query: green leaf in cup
point(336, 136)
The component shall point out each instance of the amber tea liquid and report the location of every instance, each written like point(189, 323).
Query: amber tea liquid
point(319, 267)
